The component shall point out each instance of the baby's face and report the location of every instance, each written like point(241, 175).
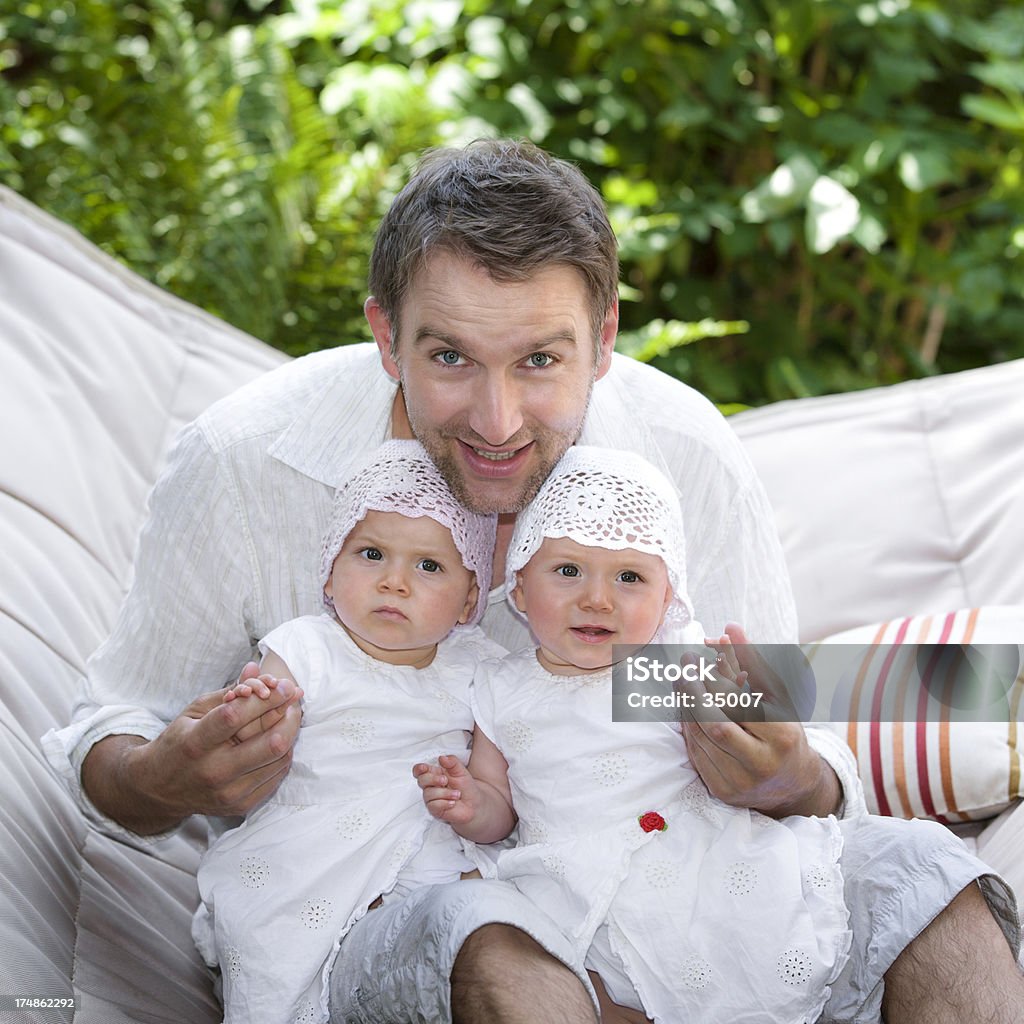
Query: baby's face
point(580, 600)
point(399, 586)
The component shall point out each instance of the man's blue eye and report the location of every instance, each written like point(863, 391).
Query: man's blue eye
point(540, 359)
point(449, 358)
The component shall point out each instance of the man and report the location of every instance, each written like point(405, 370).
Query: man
point(494, 312)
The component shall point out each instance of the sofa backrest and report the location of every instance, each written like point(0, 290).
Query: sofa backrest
point(98, 371)
point(899, 500)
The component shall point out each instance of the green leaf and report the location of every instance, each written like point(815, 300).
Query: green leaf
point(1007, 76)
point(832, 214)
point(660, 337)
point(870, 233)
point(783, 191)
point(994, 111)
point(923, 169)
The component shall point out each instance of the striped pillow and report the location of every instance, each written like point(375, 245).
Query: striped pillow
point(949, 771)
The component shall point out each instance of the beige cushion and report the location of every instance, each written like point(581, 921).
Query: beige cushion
point(99, 370)
point(897, 501)
point(901, 502)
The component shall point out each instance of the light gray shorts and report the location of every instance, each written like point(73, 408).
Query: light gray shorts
point(393, 966)
point(898, 876)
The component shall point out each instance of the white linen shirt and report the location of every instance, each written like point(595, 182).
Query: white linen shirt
point(236, 520)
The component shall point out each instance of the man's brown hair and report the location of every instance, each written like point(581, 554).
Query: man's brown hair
point(506, 206)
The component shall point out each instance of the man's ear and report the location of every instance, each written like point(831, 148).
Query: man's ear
point(380, 325)
point(609, 331)
point(471, 599)
point(517, 594)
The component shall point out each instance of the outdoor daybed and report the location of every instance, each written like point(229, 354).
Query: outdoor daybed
point(898, 502)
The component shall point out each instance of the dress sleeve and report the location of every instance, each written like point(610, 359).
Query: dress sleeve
point(482, 698)
point(181, 630)
point(302, 645)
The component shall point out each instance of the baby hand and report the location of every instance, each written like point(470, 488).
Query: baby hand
point(727, 664)
point(256, 689)
point(447, 789)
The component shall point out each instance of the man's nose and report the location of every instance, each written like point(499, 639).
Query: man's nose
point(496, 414)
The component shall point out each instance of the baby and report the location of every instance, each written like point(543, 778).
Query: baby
point(688, 909)
point(385, 675)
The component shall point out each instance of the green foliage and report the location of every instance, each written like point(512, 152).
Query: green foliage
point(844, 176)
point(204, 160)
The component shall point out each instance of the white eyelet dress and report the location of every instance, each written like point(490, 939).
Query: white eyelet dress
point(725, 916)
point(347, 824)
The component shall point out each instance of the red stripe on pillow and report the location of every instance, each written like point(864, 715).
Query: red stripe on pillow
point(853, 715)
point(875, 740)
point(923, 775)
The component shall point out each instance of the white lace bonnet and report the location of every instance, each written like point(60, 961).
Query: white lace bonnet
point(400, 476)
point(606, 498)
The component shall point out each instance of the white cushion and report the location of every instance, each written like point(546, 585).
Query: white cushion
point(897, 501)
point(99, 371)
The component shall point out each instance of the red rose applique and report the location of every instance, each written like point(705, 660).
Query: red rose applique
point(652, 821)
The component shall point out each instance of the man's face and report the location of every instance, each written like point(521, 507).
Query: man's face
point(495, 376)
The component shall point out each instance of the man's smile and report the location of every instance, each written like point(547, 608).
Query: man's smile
point(492, 463)
point(494, 456)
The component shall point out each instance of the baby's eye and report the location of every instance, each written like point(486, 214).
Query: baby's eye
point(429, 565)
point(629, 576)
point(372, 554)
point(539, 359)
point(568, 570)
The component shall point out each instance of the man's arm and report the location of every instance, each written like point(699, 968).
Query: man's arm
point(195, 766)
point(132, 753)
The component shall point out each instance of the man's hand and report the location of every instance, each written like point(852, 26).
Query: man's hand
point(256, 687)
point(766, 766)
point(195, 766)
